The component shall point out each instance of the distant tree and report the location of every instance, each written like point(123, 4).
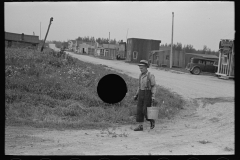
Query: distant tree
point(189, 49)
point(92, 39)
point(179, 47)
point(79, 39)
point(204, 50)
point(119, 41)
point(113, 41)
point(98, 40)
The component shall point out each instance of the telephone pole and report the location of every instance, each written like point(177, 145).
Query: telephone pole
point(51, 19)
point(109, 53)
point(171, 42)
point(40, 30)
point(126, 35)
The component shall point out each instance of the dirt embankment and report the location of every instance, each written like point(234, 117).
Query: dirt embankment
point(204, 126)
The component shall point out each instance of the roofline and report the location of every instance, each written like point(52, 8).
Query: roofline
point(21, 34)
point(146, 39)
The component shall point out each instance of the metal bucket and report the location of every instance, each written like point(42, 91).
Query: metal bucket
point(152, 112)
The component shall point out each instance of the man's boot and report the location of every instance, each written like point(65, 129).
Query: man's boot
point(152, 124)
point(139, 128)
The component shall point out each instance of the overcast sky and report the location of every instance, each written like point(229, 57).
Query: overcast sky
point(195, 23)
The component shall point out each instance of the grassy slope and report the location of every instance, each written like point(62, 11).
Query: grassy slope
point(49, 90)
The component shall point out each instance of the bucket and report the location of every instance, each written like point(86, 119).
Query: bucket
point(152, 112)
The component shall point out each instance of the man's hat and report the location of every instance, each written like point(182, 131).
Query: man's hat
point(143, 63)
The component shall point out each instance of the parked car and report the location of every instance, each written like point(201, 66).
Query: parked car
point(198, 65)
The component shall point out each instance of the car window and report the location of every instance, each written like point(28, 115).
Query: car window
point(201, 62)
point(209, 63)
point(195, 60)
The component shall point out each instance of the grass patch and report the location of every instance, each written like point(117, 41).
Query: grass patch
point(52, 89)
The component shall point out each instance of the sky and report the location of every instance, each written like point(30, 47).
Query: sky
point(195, 23)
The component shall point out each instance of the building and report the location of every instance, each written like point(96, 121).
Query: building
point(138, 49)
point(122, 50)
point(226, 58)
point(86, 47)
point(99, 50)
point(180, 59)
point(162, 58)
point(108, 51)
point(21, 40)
point(111, 50)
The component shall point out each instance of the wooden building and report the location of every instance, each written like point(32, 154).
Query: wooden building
point(180, 59)
point(162, 58)
point(122, 50)
point(108, 51)
point(139, 49)
point(21, 40)
point(86, 47)
point(226, 63)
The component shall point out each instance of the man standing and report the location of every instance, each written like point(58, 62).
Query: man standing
point(145, 94)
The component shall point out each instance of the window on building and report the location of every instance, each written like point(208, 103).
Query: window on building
point(135, 54)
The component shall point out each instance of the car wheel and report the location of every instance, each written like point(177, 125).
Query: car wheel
point(196, 71)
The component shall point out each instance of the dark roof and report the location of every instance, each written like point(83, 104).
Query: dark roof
point(145, 39)
point(18, 37)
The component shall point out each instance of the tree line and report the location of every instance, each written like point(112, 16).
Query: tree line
point(190, 49)
point(178, 47)
point(63, 44)
point(99, 40)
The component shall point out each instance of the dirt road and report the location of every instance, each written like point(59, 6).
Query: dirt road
point(204, 129)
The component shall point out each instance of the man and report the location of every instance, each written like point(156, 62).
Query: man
point(145, 94)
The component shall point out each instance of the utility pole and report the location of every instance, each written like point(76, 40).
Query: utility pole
point(40, 30)
point(51, 19)
point(171, 42)
point(126, 35)
point(108, 45)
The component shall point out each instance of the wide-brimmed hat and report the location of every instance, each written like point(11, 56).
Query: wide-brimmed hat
point(143, 63)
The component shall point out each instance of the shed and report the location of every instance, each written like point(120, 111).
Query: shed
point(86, 47)
point(21, 39)
point(139, 49)
point(226, 57)
point(162, 58)
point(110, 50)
